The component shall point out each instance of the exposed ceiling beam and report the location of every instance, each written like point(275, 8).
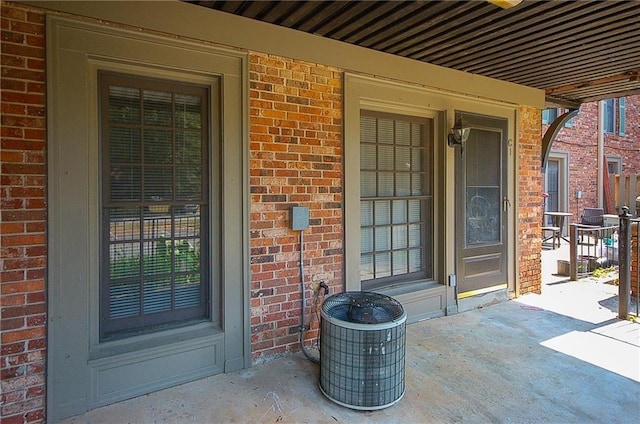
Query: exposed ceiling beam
point(551, 102)
point(633, 75)
point(612, 95)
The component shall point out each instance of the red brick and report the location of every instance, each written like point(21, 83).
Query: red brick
point(7, 324)
point(23, 50)
point(14, 419)
point(12, 348)
point(23, 310)
point(13, 13)
point(23, 239)
point(22, 335)
point(35, 344)
point(24, 215)
point(22, 287)
point(30, 99)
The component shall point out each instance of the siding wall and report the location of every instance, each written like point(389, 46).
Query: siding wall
point(295, 159)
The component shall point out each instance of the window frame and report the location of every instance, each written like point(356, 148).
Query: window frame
point(616, 161)
point(549, 115)
point(426, 199)
point(609, 116)
point(111, 329)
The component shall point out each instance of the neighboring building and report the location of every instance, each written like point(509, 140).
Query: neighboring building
point(150, 160)
point(573, 172)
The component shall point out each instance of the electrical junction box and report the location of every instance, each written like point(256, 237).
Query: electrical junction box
point(299, 218)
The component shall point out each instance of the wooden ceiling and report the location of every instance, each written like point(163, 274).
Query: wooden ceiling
point(577, 51)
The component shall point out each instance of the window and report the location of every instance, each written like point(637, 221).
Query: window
point(622, 106)
point(396, 199)
point(154, 139)
point(569, 123)
point(614, 164)
point(549, 115)
point(609, 115)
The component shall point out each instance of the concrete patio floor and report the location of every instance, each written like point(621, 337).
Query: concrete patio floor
point(559, 357)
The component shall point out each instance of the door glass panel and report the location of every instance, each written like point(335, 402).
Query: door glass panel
point(482, 192)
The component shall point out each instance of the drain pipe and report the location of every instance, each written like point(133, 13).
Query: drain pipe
point(601, 162)
point(315, 358)
point(300, 222)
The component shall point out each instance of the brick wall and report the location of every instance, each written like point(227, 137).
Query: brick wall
point(296, 160)
point(22, 216)
point(529, 201)
point(581, 143)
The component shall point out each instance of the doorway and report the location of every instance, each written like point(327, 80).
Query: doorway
point(481, 207)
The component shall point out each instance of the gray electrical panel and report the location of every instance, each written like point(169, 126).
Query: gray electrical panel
point(299, 218)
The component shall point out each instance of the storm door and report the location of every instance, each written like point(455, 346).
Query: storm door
point(481, 207)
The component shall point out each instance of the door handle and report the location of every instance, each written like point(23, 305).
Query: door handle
point(506, 203)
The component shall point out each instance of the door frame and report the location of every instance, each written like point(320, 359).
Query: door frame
point(486, 252)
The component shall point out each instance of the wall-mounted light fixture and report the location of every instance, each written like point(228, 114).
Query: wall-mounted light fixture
point(505, 4)
point(459, 133)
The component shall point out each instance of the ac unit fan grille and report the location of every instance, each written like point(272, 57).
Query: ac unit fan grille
point(362, 366)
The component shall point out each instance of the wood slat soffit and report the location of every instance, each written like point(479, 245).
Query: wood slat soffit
point(577, 51)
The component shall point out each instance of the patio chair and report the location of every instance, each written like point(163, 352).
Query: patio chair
point(555, 235)
point(592, 217)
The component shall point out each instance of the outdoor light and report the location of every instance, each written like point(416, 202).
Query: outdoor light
point(505, 4)
point(459, 133)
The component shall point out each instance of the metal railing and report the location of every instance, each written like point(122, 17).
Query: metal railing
point(624, 286)
point(592, 247)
